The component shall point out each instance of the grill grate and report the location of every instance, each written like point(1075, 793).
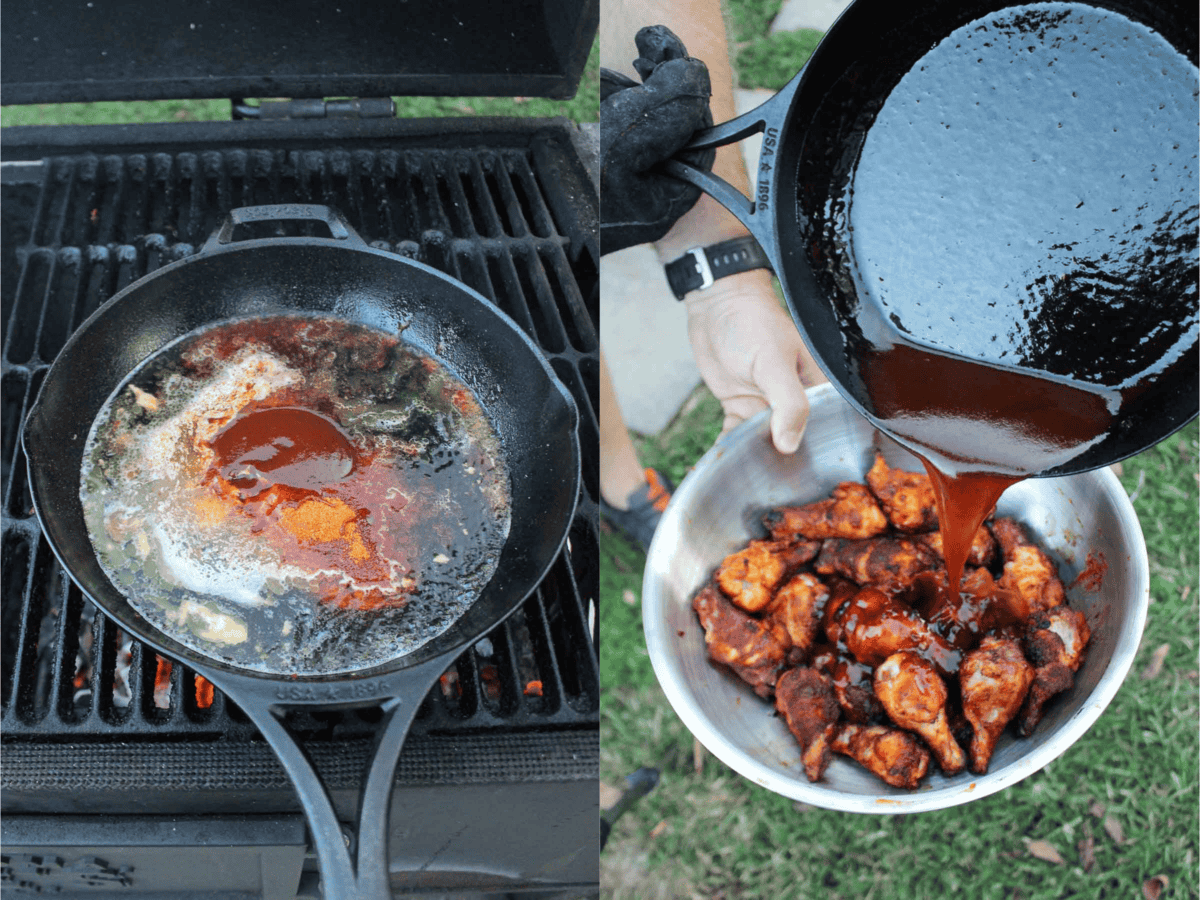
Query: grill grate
point(78, 228)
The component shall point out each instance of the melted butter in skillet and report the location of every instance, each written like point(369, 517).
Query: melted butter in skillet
point(296, 494)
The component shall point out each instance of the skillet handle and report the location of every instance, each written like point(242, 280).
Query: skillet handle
point(353, 866)
point(339, 228)
point(756, 212)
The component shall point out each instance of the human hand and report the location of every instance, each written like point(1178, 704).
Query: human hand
point(751, 356)
point(642, 125)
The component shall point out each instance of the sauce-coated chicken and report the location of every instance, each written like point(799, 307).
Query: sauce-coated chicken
point(805, 699)
point(874, 561)
point(1055, 643)
point(750, 576)
point(894, 755)
point(979, 607)
point(851, 512)
point(907, 498)
point(1028, 572)
point(853, 682)
point(995, 678)
point(741, 642)
point(874, 626)
point(914, 697)
point(846, 619)
point(981, 553)
point(841, 592)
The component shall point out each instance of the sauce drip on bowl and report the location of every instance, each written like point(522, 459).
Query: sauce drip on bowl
point(296, 494)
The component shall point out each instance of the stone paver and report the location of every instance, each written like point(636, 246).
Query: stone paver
point(643, 334)
point(818, 14)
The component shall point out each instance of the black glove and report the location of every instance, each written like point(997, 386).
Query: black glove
point(641, 125)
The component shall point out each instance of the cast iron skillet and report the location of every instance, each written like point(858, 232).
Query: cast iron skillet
point(532, 412)
point(815, 127)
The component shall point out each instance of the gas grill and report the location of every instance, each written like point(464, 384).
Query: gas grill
point(126, 774)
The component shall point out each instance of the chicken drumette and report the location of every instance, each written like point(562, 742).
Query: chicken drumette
point(1055, 643)
point(907, 498)
point(979, 607)
point(797, 607)
point(995, 677)
point(851, 512)
point(914, 697)
point(873, 626)
point(750, 576)
point(805, 699)
point(875, 561)
point(744, 644)
point(894, 755)
point(981, 553)
point(1029, 573)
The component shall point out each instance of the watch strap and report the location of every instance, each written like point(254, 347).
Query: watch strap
point(701, 266)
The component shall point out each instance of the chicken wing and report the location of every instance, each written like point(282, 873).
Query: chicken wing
point(1055, 644)
point(907, 498)
point(914, 697)
point(797, 607)
point(894, 755)
point(741, 642)
point(1028, 572)
point(805, 699)
point(851, 512)
point(981, 553)
point(995, 677)
point(853, 684)
point(841, 592)
point(874, 626)
point(750, 576)
point(980, 606)
point(874, 561)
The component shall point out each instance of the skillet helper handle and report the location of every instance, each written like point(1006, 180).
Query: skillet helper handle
point(353, 863)
point(755, 212)
point(339, 228)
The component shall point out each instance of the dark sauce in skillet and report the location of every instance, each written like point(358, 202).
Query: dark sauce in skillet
point(1022, 235)
point(296, 494)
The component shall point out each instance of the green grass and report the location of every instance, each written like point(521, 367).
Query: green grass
point(716, 835)
point(583, 107)
point(764, 60)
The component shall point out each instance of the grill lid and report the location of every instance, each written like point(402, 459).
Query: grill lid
point(56, 51)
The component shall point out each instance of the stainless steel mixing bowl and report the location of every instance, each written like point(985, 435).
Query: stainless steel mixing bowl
point(717, 509)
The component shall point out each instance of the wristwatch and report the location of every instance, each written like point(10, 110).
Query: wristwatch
point(701, 266)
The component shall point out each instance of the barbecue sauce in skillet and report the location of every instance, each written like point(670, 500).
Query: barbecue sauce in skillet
point(1045, 156)
point(294, 450)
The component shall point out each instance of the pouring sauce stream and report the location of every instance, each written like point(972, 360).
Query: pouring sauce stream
point(978, 430)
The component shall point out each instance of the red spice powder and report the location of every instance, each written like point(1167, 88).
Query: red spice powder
point(1092, 576)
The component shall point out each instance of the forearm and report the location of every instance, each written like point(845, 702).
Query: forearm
point(701, 27)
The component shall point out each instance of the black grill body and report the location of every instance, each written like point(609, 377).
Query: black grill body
point(118, 773)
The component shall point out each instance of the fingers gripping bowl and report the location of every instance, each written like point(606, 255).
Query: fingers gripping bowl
point(718, 508)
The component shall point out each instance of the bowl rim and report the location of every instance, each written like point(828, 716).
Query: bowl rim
point(824, 400)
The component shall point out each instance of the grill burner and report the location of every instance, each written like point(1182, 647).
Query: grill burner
point(89, 716)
